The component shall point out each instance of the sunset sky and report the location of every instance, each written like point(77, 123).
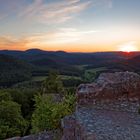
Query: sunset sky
point(70, 25)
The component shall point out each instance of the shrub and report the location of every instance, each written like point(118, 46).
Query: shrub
point(11, 121)
point(5, 96)
point(69, 103)
point(48, 114)
point(52, 84)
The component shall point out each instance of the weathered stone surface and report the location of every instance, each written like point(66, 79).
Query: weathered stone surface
point(46, 135)
point(14, 138)
point(72, 129)
point(106, 109)
point(98, 124)
point(109, 125)
point(114, 88)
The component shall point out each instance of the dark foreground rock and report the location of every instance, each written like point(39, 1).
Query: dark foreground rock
point(46, 135)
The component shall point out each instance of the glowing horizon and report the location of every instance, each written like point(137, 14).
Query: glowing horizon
point(70, 25)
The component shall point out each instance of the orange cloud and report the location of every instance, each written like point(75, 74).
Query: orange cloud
point(71, 39)
point(63, 38)
point(10, 43)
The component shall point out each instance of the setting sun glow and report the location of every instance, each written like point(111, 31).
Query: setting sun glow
point(128, 47)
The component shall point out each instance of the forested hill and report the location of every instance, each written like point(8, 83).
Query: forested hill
point(13, 70)
point(68, 58)
point(62, 60)
point(17, 66)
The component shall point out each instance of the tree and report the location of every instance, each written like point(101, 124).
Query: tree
point(45, 114)
point(5, 96)
point(25, 99)
point(11, 121)
point(48, 114)
point(53, 84)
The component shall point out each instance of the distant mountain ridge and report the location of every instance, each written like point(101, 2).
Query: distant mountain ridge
point(62, 57)
point(39, 51)
point(21, 65)
point(65, 61)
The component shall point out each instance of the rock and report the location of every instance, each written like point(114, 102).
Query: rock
point(106, 109)
point(46, 135)
point(73, 129)
point(89, 123)
point(113, 88)
point(14, 138)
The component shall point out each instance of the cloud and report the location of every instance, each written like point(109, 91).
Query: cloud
point(8, 42)
point(109, 3)
point(9, 7)
point(43, 11)
point(2, 16)
point(55, 12)
point(59, 37)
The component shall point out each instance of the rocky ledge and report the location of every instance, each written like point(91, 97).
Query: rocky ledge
point(46, 135)
point(106, 109)
point(111, 87)
point(95, 124)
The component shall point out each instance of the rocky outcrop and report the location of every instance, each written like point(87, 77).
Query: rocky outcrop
point(101, 124)
point(72, 129)
point(115, 88)
point(106, 110)
point(46, 135)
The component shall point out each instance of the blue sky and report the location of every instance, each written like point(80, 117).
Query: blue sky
point(70, 25)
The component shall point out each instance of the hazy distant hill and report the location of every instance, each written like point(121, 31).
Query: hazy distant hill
point(64, 57)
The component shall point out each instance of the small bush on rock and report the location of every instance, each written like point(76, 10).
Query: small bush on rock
point(48, 114)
